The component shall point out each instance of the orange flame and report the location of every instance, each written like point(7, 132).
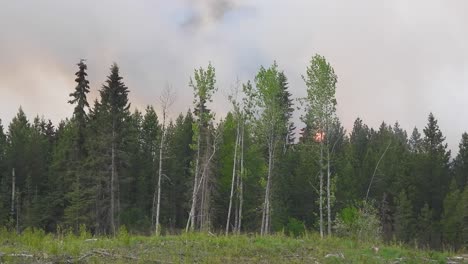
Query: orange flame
point(319, 136)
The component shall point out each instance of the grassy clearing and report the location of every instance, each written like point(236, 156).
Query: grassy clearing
point(38, 247)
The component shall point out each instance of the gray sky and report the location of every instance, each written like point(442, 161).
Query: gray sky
point(395, 60)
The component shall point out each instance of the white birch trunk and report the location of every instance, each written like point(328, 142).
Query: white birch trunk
point(266, 207)
point(241, 187)
point(190, 221)
point(203, 176)
point(321, 190)
point(328, 191)
point(233, 180)
point(161, 147)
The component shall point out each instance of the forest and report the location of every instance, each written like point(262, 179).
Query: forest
point(110, 166)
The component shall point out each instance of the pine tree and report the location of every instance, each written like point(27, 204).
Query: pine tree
point(452, 217)
point(78, 196)
point(150, 133)
point(460, 164)
point(179, 171)
point(4, 197)
point(288, 108)
point(464, 208)
point(425, 226)
point(436, 178)
point(110, 125)
point(404, 219)
point(79, 98)
point(19, 134)
point(415, 141)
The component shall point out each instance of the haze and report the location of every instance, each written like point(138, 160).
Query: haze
point(395, 60)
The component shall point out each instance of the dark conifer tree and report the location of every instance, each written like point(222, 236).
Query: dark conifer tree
point(460, 164)
point(112, 116)
point(81, 102)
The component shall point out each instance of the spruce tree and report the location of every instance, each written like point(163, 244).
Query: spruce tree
point(415, 141)
point(4, 201)
point(288, 108)
point(179, 140)
point(404, 219)
point(436, 172)
point(460, 164)
point(452, 217)
point(110, 126)
point(79, 98)
point(77, 196)
point(425, 230)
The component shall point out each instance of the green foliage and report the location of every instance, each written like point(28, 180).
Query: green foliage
point(320, 103)
point(404, 219)
point(63, 174)
point(204, 248)
point(360, 223)
point(349, 215)
point(123, 236)
point(452, 218)
point(425, 225)
point(295, 227)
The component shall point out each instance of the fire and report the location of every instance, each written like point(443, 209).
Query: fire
point(319, 136)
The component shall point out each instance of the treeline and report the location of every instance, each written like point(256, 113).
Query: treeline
point(108, 167)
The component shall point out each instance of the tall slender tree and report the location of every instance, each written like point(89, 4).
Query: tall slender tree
point(114, 113)
point(460, 164)
point(269, 113)
point(166, 100)
point(321, 81)
point(77, 196)
point(436, 178)
point(81, 103)
point(203, 86)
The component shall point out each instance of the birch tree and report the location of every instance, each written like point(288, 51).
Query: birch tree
point(236, 181)
point(166, 100)
point(204, 88)
point(320, 110)
point(269, 113)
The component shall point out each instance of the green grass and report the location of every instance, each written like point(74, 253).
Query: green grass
point(200, 248)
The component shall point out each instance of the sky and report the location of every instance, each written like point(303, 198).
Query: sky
point(396, 60)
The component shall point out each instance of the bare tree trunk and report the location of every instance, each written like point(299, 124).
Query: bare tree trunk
point(203, 174)
point(190, 220)
point(161, 146)
point(236, 207)
point(241, 187)
point(376, 167)
point(328, 192)
point(321, 190)
point(112, 194)
point(266, 213)
point(262, 227)
point(204, 205)
point(233, 180)
point(201, 213)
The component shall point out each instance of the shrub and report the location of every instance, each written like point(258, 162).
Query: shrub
point(295, 227)
point(359, 222)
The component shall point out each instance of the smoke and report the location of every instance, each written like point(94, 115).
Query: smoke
point(207, 13)
point(395, 60)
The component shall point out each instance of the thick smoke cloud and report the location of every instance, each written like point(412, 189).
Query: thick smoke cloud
point(396, 60)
